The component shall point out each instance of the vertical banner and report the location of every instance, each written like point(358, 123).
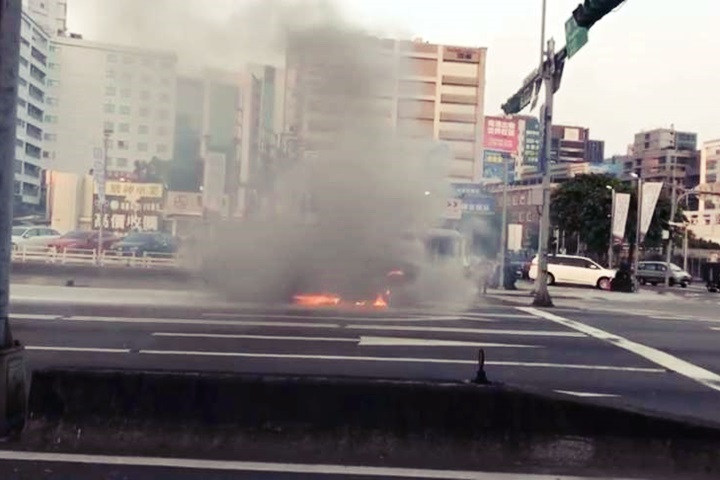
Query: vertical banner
point(620, 215)
point(531, 142)
point(650, 196)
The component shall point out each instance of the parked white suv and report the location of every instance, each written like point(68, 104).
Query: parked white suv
point(575, 270)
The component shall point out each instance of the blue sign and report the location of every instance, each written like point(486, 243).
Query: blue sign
point(475, 200)
point(494, 165)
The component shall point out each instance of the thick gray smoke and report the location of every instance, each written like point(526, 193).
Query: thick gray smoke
point(362, 202)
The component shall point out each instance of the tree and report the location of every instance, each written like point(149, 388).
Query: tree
point(581, 207)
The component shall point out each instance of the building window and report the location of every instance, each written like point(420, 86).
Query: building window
point(39, 56)
point(20, 123)
point(144, 112)
point(712, 165)
point(34, 112)
point(110, 74)
point(711, 178)
point(142, 147)
point(22, 82)
point(110, 91)
point(37, 74)
point(23, 61)
point(108, 126)
point(36, 93)
point(162, 131)
point(121, 162)
point(127, 76)
point(53, 83)
point(124, 128)
point(50, 137)
point(122, 145)
point(51, 118)
point(161, 148)
point(53, 66)
point(19, 143)
point(24, 41)
point(51, 100)
point(124, 110)
point(21, 103)
point(143, 129)
point(125, 93)
point(109, 108)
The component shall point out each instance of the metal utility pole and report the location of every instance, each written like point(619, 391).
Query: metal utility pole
point(638, 223)
point(673, 210)
point(13, 382)
point(102, 178)
point(612, 221)
point(504, 228)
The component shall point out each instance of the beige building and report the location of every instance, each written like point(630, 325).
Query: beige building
point(664, 155)
point(425, 91)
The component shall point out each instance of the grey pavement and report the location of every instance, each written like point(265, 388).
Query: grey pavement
point(522, 348)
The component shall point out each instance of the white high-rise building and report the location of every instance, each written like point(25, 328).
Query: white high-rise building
point(51, 15)
point(95, 88)
point(30, 159)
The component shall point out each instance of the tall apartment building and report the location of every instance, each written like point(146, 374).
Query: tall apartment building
point(664, 155)
point(230, 116)
point(30, 159)
point(422, 90)
point(573, 144)
point(51, 15)
point(95, 88)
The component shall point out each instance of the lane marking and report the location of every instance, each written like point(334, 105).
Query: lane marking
point(77, 349)
point(281, 468)
point(587, 394)
point(290, 356)
point(361, 341)
point(424, 342)
point(400, 328)
point(33, 316)
point(256, 337)
point(715, 328)
point(191, 321)
point(478, 315)
point(670, 362)
point(418, 318)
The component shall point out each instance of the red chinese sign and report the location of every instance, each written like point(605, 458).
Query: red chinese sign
point(501, 134)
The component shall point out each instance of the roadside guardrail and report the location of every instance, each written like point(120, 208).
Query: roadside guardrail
point(82, 256)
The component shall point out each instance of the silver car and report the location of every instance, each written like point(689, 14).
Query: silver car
point(654, 274)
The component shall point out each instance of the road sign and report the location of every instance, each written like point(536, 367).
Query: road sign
point(575, 37)
point(454, 209)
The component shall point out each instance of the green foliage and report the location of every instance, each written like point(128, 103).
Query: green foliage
point(582, 206)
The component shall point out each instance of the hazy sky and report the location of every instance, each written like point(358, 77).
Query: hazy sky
point(649, 64)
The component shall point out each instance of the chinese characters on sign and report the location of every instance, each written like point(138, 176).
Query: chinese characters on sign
point(501, 134)
point(130, 206)
point(474, 198)
point(531, 142)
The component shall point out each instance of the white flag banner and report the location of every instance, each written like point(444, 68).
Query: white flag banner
point(650, 195)
point(620, 215)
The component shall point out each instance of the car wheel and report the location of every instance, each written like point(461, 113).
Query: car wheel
point(603, 283)
point(642, 281)
point(683, 285)
point(550, 279)
point(654, 284)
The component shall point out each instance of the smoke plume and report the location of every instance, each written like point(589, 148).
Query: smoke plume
point(364, 199)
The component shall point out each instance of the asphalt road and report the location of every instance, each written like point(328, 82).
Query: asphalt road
point(659, 361)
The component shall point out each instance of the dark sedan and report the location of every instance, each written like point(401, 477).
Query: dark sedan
point(141, 244)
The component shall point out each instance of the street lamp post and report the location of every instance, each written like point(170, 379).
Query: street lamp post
point(612, 221)
point(504, 231)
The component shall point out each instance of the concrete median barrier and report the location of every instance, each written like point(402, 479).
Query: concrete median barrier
point(355, 421)
point(94, 276)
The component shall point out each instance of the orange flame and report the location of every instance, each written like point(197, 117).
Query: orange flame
point(321, 300)
point(380, 302)
point(396, 273)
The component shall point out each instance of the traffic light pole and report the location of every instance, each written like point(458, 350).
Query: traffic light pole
point(13, 393)
point(542, 295)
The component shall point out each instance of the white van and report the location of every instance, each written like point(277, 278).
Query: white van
point(575, 270)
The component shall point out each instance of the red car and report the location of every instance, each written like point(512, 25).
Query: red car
point(82, 239)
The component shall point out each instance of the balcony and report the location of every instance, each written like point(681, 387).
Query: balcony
point(458, 99)
point(459, 80)
point(457, 117)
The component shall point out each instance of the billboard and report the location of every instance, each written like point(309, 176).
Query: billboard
point(474, 198)
point(494, 165)
point(501, 134)
point(129, 206)
point(184, 203)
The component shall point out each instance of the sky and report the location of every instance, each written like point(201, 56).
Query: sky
point(647, 65)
